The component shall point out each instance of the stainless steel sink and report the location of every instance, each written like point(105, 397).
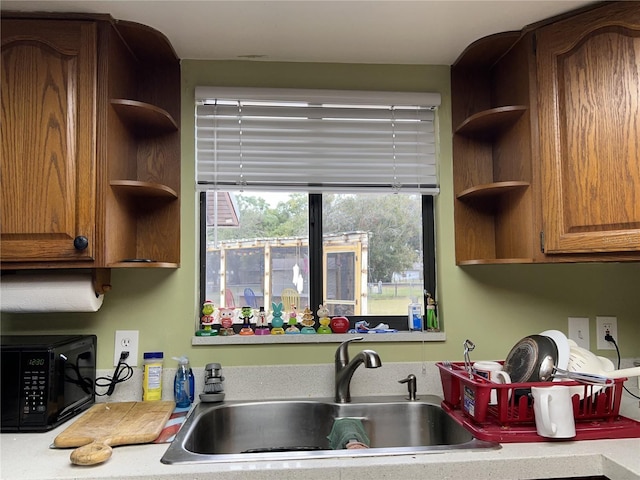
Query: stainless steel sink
point(298, 429)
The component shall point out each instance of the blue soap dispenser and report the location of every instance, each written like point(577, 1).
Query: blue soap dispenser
point(184, 383)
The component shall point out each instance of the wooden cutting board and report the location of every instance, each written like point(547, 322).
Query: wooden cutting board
point(110, 424)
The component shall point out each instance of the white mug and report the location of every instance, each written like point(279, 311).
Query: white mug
point(553, 412)
point(489, 370)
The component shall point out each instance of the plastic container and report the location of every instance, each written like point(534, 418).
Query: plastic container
point(184, 383)
point(415, 317)
point(152, 376)
point(511, 419)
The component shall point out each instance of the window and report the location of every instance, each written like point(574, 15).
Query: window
point(317, 197)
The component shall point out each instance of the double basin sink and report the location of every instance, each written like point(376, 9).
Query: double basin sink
point(299, 429)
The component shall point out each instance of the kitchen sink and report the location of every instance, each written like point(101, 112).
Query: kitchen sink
point(298, 429)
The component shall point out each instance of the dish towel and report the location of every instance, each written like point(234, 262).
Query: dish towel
point(172, 426)
point(348, 433)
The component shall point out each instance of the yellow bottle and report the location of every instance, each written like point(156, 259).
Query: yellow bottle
point(152, 376)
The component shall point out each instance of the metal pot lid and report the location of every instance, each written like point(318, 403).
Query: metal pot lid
point(523, 362)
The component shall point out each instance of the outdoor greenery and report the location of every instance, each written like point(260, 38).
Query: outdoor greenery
point(393, 222)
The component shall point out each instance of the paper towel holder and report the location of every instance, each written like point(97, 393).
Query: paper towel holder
point(101, 280)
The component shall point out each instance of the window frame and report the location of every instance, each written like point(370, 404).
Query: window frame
point(316, 280)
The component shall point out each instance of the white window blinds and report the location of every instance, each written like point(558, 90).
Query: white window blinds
point(315, 140)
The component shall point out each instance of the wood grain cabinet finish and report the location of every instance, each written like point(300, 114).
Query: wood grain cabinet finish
point(90, 143)
point(589, 109)
point(48, 175)
point(546, 141)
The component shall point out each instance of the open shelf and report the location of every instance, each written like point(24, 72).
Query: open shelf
point(143, 264)
point(491, 189)
point(134, 188)
point(490, 123)
point(495, 261)
point(485, 52)
point(144, 118)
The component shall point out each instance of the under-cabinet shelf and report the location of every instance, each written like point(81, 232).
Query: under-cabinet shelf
point(495, 261)
point(144, 118)
point(491, 189)
point(143, 264)
point(134, 188)
point(490, 122)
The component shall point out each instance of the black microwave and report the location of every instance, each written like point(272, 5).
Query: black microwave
point(46, 380)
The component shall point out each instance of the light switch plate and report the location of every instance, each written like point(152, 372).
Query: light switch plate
point(579, 331)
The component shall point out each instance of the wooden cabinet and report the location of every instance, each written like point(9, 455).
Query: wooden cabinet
point(492, 167)
point(48, 169)
point(588, 69)
point(90, 143)
point(545, 145)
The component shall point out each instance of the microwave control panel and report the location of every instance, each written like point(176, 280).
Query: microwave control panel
point(34, 386)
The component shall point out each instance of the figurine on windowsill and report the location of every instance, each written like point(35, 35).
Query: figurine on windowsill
point(261, 323)
point(293, 321)
point(246, 314)
point(323, 316)
point(277, 321)
point(207, 320)
point(307, 321)
point(432, 320)
point(226, 321)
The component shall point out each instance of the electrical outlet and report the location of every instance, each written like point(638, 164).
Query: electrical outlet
point(579, 331)
point(606, 325)
point(126, 340)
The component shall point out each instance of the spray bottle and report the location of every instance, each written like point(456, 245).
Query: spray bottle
point(184, 383)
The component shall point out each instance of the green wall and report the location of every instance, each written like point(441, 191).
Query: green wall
point(492, 305)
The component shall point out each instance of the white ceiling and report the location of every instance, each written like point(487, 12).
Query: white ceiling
point(360, 31)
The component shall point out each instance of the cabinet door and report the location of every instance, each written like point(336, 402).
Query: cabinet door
point(589, 113)
point(48, 177)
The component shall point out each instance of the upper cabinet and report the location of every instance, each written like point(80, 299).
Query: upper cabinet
point(48, 169)
point(492, 152)
point(90, 143)
point(545, 143)
point(588, 70)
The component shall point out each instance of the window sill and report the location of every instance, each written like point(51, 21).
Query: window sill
point(333, 338)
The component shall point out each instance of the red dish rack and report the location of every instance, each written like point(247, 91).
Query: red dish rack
point(467, 399)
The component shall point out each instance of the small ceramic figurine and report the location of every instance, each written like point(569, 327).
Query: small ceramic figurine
point(432, 319)
point(261, 323)
point(307, 321)
point(226, 321)
point(277, 321)
point(293, 321)
point(323, 316)
point(246, 313)
point(207, 315)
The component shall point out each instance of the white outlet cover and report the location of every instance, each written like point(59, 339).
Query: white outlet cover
point(132, 337)
point(601, 343)
point(579, 331)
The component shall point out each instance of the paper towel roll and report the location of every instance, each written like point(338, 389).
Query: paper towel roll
point(48, 292)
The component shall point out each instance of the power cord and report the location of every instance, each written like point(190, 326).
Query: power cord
point(609, 338)
point(122, 373)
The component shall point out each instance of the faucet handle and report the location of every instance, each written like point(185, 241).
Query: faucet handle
point(342, 354)
point(412, 386)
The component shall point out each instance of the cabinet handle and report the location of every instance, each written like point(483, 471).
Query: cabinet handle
point(80, 242)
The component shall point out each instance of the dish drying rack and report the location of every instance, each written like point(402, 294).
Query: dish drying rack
point(467, 399)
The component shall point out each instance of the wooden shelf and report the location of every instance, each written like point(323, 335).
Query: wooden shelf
point(143, 118)
point(489, 123)
point(143, 264)
point(491, 189)
point(135, 188)
point(496, 261)
point(483, 53)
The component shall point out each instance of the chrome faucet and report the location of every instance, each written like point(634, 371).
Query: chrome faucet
point(345, 368)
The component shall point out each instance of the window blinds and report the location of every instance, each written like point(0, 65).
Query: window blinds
point(315, 140)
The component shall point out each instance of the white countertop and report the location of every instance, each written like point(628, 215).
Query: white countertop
point(27, 456)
